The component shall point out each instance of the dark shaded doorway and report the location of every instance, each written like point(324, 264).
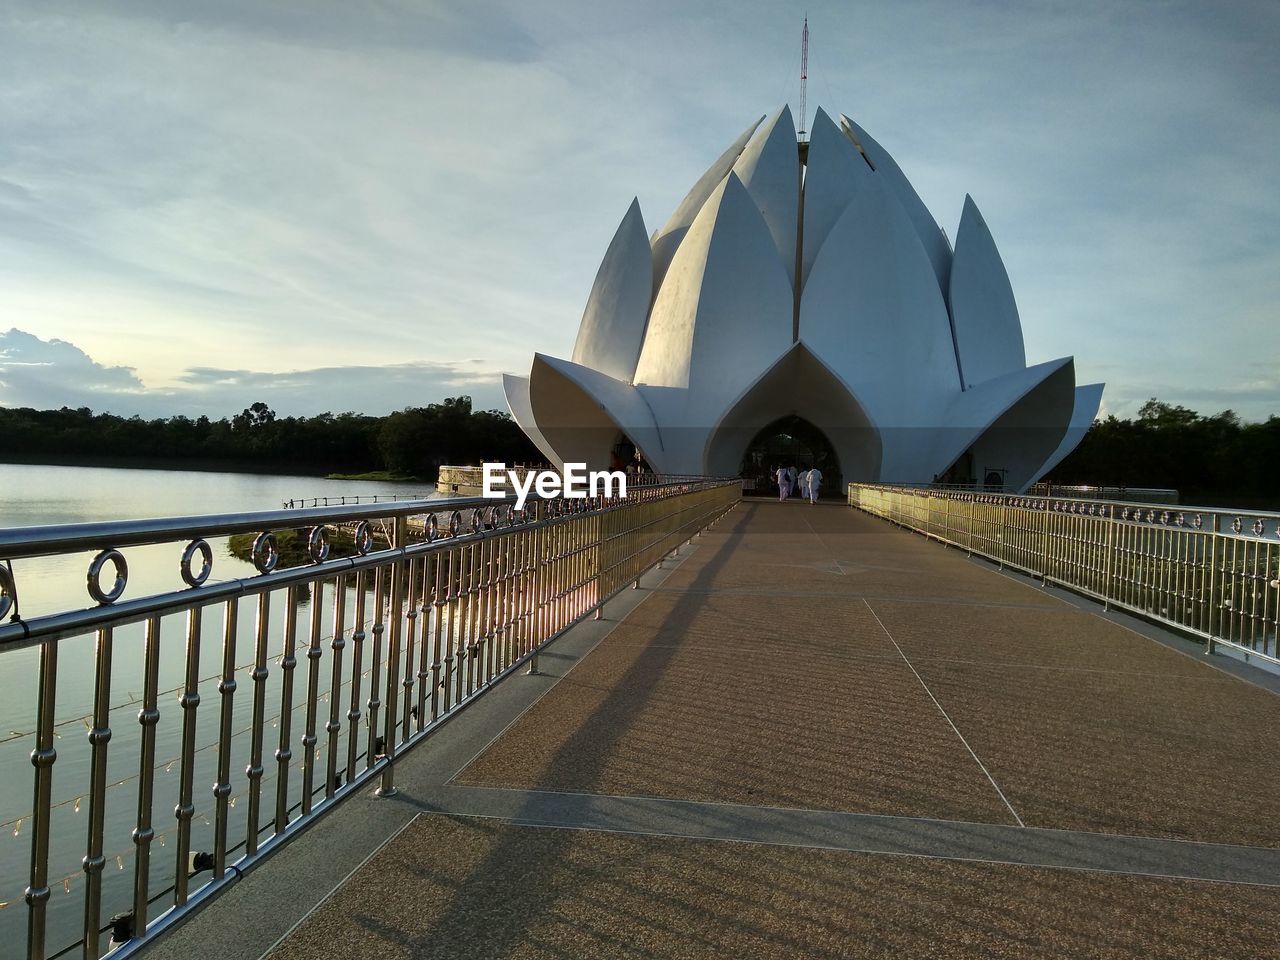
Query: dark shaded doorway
point(791, 442)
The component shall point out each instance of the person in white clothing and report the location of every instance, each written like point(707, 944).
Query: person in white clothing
point(784, 483)
point(802, 484)
point(812, 484)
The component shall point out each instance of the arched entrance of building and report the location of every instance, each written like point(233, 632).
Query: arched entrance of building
point(799, 397)
point(790, 441)
point(626, 456)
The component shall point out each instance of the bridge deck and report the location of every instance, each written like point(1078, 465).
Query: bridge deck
point(816, 736)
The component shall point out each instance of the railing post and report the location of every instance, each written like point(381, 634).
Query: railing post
point(390, 721)
point(1044, 547)
point(539, 576)
point(1215, 586)
point(42, 758)
point(1110, 514)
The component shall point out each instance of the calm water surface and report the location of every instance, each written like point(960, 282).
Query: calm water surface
point(40, 495)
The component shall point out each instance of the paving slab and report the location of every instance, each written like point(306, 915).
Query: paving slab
point(474, 888)
point(697, 709)
point(834, 549)
point(1054, 637)
point(1172, 756)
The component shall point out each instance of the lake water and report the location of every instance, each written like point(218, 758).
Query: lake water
point(40, 495)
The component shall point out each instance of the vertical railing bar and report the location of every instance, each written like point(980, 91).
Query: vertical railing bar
point(374, 703)
point(183, 812)
point(99, 738)
point(410, 646)
point(148, 717)
point(254, 772)
point(315, 651)
point(400, 572)
point(357, 675)
point(226, 691)
point(43, 758)
point(284, 748)
point(333, 727)
point(424, 656)
point(439, 601)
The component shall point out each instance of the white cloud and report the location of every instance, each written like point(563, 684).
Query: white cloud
point(51, 374)
point(266, 185)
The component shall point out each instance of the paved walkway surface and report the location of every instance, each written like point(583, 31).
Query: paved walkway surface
point(813, 735)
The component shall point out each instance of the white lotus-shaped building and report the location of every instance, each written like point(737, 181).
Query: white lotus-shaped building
point(806, 280)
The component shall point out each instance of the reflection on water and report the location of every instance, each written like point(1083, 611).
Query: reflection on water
point(41, 495)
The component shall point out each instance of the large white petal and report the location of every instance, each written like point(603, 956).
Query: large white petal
point(613, 323)
point(667, 240)
point(1025, 435)
point(770, 170)
point(516, 390)
point(974, 412)
point(931, 236)
point(1088, 400)
point(724, 310)
point(871, 311)
point(834, 174)
point(621, 403)
point(800, 385)
point(983, 311)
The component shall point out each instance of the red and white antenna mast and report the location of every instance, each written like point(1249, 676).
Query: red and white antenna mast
point(804, 76)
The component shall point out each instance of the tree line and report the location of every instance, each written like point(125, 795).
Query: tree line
point(411, 442)
point(1214, 460)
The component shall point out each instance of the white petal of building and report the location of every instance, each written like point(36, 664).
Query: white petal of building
point(805, 286)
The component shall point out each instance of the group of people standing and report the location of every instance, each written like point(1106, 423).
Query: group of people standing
point(806, 483)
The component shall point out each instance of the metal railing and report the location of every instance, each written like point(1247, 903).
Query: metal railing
point(1165, 496)
point(365, 654)
point(1214, 574)
point(349, 500)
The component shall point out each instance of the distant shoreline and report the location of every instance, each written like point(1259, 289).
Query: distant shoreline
point(194, 464)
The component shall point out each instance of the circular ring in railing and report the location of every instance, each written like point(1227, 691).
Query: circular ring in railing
point(266, 554)
point(455, 523)
point(8, 592)
point(433, 528)
point(508, 515)
point(1259, 527)
point(1164, 518)
point(363, 537)
point(493, 520)
point(1198, 522)
point(1124, 514)
point(94, 579)
point(1151, 516)
point(201, 547)
point(1180, 519)
point(477, 520)
point(1237, 524)
point(318, 544)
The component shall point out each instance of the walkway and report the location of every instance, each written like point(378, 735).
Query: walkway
point(815, 735)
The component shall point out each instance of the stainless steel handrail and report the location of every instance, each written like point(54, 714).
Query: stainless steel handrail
point(394, 642)
point(1209, 572)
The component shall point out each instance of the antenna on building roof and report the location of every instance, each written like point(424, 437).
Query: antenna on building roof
point(804, 76)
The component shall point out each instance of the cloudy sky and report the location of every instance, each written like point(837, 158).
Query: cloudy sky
point(369, 205)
